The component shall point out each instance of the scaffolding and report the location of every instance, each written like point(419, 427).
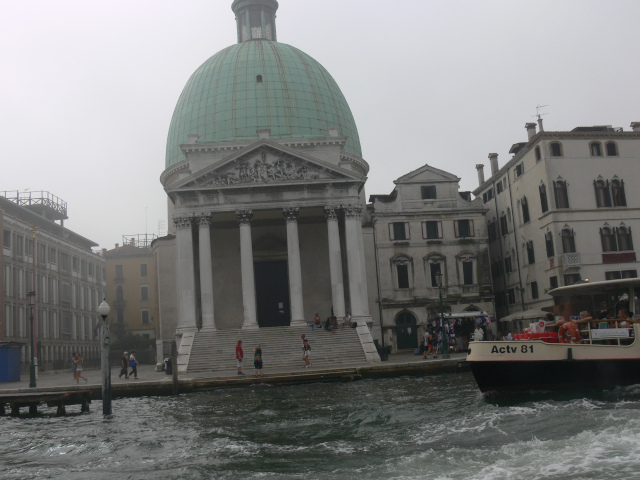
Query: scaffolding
point(142, 240)
point(41, 202)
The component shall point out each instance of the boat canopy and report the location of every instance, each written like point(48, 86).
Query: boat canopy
point(465, 314)
point(531, 314)
point(594, 287)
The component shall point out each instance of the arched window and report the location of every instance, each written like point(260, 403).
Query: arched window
point(603, 199)
point(568, 241)
point(543, 198)
point(624, 238)
point(556, 149)
point(619, 199)
point(612, 149)
point(548, 240)
point(596, 149)
point(608, 240)
point(562, 197)
point(525, 210)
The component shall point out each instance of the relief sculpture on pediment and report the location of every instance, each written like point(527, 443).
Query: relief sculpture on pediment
point(266, 169)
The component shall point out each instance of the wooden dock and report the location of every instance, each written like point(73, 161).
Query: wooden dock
point(16, 401)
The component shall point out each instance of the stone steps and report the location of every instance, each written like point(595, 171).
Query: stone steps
point(281, 346)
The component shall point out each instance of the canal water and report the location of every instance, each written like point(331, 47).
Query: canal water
point(434, 427)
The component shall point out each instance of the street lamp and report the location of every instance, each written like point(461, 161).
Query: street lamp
point(445, 336)
point(31, 299)
point(104, 310)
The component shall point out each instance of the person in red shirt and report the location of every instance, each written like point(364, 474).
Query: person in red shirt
point(239, 356)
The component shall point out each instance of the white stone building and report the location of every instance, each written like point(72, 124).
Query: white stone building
point(424, 227)
point(563, 209)
point(70, 281)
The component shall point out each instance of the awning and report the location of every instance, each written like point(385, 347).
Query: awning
point(464, 314)
point(532, 314)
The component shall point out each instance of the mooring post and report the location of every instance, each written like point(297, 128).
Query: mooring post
point(174, 366)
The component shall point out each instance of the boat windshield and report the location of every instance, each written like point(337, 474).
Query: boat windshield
point(601, 299)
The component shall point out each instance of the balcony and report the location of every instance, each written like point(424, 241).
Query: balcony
point(571, 260)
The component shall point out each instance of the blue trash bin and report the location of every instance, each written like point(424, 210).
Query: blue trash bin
point(10, 361)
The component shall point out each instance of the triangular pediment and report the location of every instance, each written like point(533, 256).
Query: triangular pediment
point(426, 174)
point(265, 163)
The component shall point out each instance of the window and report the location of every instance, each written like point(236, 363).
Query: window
point(75, 264)
point(608, 240)
point(399, 231)
point(556, 149)
point(403, 276)
point(519, 170)
point(29, 247)
point(65, 261)
point(568, 241)
point(562, 198)
point(596, 149)
point(258, 78)
point(571, 278)
point(553, 282)
point(548, 240)
point(435, 268)
point(629, 274)
point(612, 149)
point(619, 199)
point(534, 290)
point(544, 205)
point(143, 269)
point(428, 192)
point(612, 275)
point(19, 245)
point(507, 265)
point(53, 255)
point(525, 210)
point(144, 293)
point(511, 296)
point(530, 253)
point(496, 270)
point(499, 187)
point(488, 195)
point(500, 299)
point(431, 229)
point(119, 293)
point(467, 273)
point(464, 228)
point(504, 229)
point(119, 272)
point(603, 199)
point(144, 319)
point(91, 269)
point(537, 152)
point(83, 268)
point(624, 238)
point(65, 292)
point(6, 238)
point(493, 234)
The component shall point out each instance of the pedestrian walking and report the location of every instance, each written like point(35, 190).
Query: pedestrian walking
point(73, 364)
point(124, 364)
point(239, 356)
point(257, 359)
point(78, 373)
point(305, 352)
point(133, 363)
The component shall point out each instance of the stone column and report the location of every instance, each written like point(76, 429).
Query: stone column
point(206, 272)
point(335, 262)
point(295, 267)
point(363, 273)
point(186, 274)
point(246, 262)
point(352, 223)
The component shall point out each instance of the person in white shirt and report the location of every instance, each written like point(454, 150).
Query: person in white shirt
point(478, 334)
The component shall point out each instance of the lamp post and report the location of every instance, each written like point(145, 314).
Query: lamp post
point(445, 335)
point(31, 299)
point(104, 310)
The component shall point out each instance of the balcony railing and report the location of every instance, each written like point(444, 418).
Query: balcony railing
point(571, 260)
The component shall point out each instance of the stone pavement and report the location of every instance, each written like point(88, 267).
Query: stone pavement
point(148, 373)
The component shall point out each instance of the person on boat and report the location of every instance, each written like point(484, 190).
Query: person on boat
point(478, 334)
point(625, 318)
point(569, 331)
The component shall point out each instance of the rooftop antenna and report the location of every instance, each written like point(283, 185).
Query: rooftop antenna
point(539, 115)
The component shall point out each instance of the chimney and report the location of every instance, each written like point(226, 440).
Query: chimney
point(117, 246)
point(635, 126)
point(493, 157)
point(540, 124)
point(480, 169)
point(531, 129)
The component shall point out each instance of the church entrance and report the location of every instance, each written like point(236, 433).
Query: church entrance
point(406, 331)
point(272, 293)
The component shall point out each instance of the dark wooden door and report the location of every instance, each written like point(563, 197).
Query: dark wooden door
point(406, 331)
point(272, 293)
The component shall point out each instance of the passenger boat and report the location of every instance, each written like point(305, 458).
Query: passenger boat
point(607, 356)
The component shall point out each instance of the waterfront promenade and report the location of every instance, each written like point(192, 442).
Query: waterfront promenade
point(152, 382)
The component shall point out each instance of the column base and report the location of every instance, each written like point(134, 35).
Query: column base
point(298, 323)
point(248, 326)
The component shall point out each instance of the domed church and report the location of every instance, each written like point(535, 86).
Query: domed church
point(265, 182)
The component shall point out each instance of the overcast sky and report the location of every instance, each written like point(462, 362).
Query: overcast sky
point(89, 87)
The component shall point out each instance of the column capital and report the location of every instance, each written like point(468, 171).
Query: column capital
point(182, 221)
point(244, 216)
point(291, 214)
point(331, 212)
point(204, 220)
point(352, 210)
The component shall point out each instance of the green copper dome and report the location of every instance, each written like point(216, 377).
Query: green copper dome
point(260, 84)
